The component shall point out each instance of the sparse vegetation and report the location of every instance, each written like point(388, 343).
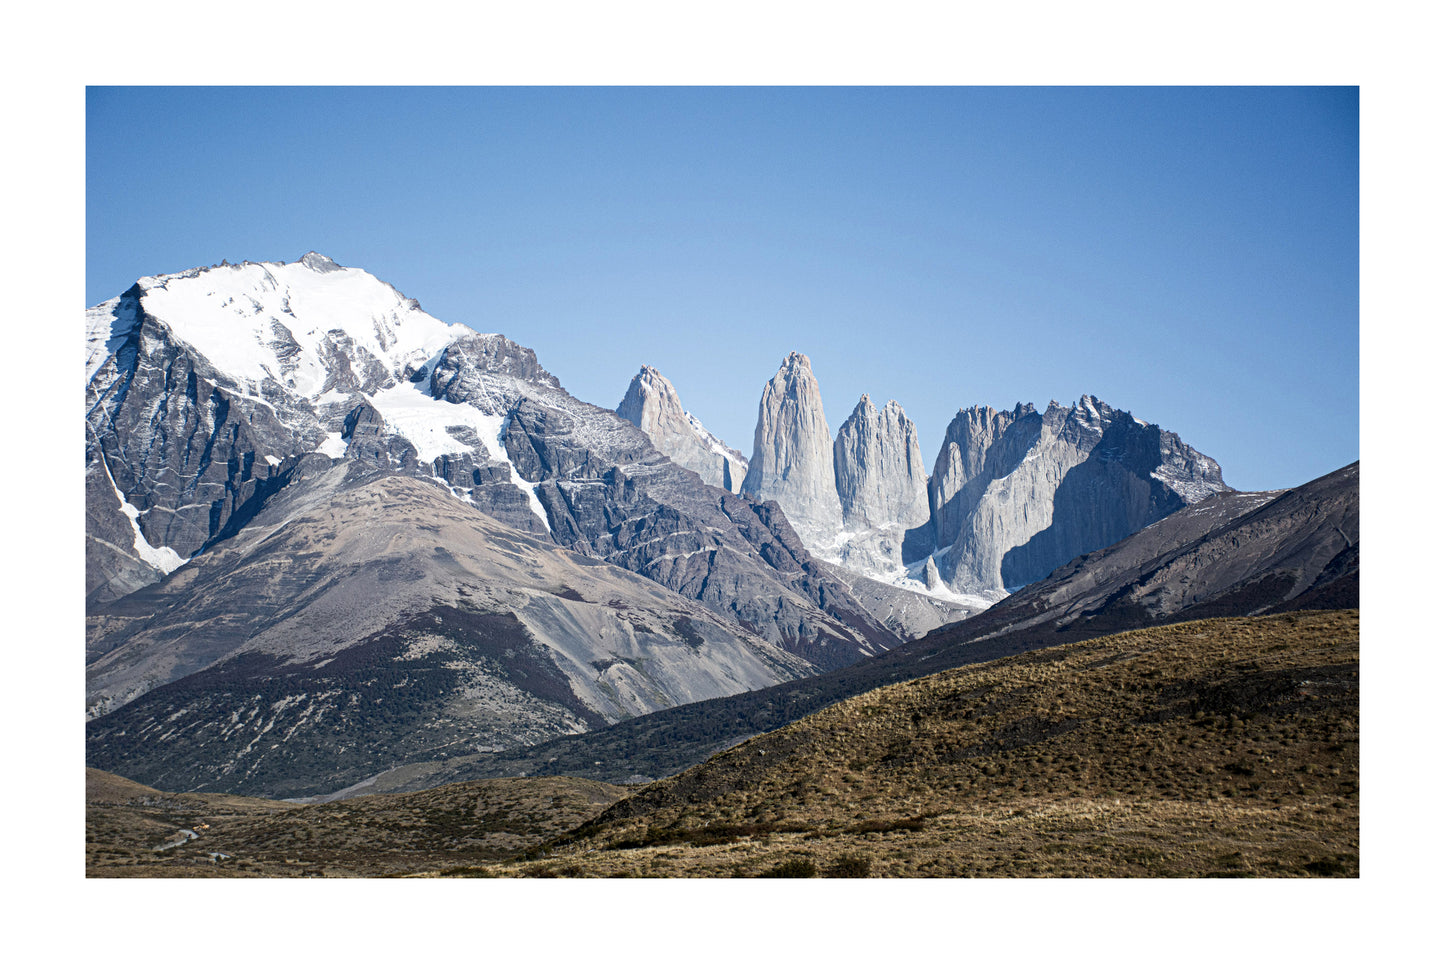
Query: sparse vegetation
point(796, 867)
point(460, 830)
point(1219, 748)
point(850, 865)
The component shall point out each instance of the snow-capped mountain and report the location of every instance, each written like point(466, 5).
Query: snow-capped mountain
point(235, 409)
point(206, 388)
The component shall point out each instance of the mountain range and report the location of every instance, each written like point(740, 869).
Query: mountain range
point(1012, 496)
point(1232, 555)
point(333, 543)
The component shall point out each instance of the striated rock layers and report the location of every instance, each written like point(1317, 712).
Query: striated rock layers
point(651, 403)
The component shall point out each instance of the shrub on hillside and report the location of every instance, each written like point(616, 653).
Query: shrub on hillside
point(850, 865)
point(796, 867)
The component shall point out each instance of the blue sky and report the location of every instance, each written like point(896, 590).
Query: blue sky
point(1188, 254)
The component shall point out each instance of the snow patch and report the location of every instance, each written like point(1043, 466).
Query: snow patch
point(164, 558)
point(714, 444)
point(250, 319)
point(333, 447)
point(423, 421)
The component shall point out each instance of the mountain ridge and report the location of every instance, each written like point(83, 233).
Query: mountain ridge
point(1072, 604)
point(1012, 495)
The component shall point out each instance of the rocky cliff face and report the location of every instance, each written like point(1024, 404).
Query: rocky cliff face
point(881, 486)
point(966, 443)
point(879, 471)
point(652, 404)
point(1015, 496)
point(792, 461)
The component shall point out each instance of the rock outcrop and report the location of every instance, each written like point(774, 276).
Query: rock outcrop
point(652, 404)
point(1016, 495)
point(792, 461)
point(966, 442)
point(879, 470)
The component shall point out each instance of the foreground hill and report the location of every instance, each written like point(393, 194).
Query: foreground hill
point(1216, 748)
point(1225, 747)
point(133, 830)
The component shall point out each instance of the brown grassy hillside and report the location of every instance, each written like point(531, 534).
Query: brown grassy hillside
point(1225, 747)
point(1218, 748)
point(380, 834)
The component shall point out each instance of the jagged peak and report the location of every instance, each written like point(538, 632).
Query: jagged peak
point(795, 361)
point(317, 261)
point(654, 379)
point(650, 381)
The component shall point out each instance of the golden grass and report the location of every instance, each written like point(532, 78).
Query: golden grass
point(1223, 747)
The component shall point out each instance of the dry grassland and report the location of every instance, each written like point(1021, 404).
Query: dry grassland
point(1218, 748)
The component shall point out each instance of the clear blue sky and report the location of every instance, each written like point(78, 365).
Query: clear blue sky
point(1188, 254)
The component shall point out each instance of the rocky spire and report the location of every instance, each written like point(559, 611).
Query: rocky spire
point(878, 468)
point(652, 404)
point(792, 459)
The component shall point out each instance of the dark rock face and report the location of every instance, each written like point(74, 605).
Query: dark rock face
point(180, 444)
point(471, 367)
point(634, 508)
point(113, 566)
